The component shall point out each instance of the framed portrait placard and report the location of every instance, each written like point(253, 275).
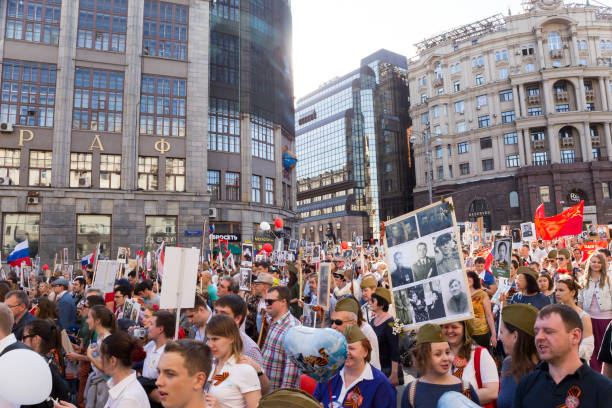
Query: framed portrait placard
point(323, 289)
point(428, 277)
point(502, 256)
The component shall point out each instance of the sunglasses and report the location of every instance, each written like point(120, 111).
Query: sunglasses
point(337, 322)
point(338, 276)
point(270, 302)
point(560, 258)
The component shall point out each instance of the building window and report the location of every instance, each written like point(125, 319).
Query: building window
point(554, 41)
point(17, 228)
point(213, 180)
point(262, 134)
point(503, 74)
point(529, 68)
point(436, 111)
point(223, 125)
point(28, 93)
point(501, 55)
point(232, 186)
point(590, 106)
point(40, 168)
point(91, 230)
point(562, 108)
point(437, 130)
point(159, 229)
point(227, 9)
point(508, 117)
point(582, 62)
point(147, 173)
point(482, 100)
point(568, 156)
point(461, 127)
point(425, 117)
point(35, 21)
point(505, 95)
point(175, 174)
point(450, 170)
point(98, 100)
point(224, 57)
point(423, 98)
point(459, 107)
point(110, 171)
point(512, 160)
point(605, 44)
point(80, 170)
point(269, 191)
point(540, 159)
point(165, 30)
point(596, 153)
point(537, 135)
point(605, 190)
point(438, 152)
point(478, 61)
point(464, 169)
point(545, 194)
point(527, 50)
point(10, 160)
point(162, 106)
point(487, 165)
point(102, 25)
point(535, 111)
point(582, 44)
point(514, 199)
point(388, 167)
point(486, 142)
point(456, 86)
point(510, 138)
point(479, 79)
point(483, 121)
point(256, 189)
point(440, 170)
point(441, 91)
point(462, 147)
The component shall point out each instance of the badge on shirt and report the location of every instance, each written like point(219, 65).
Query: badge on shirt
point(354, 399)
point(572, 400)
point(219, 378)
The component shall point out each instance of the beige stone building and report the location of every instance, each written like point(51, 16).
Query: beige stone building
point(515, 111)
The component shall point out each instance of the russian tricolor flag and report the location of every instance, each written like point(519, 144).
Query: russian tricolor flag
point(20, 254)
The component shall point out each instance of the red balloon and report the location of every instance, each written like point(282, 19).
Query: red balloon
point(344, 245)
point(278, 223)
point(267, 247)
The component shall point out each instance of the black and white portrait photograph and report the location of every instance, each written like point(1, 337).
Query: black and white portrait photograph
point(359, 242)
point(602, 231)
point(502, 252)
point(316, 252)
point(247, 254)
point(425, 264)
point(446, 252)
point(416, 297)
point(278, 244)
point(309, 247)
point(454, 291)
point(347, 254)
point(245, 279)
point(403, 311)
point(401, 272)
point(435, 219)
point(337, 251)
point(434, 300)
point(527, 231)
point(293, 243)
point(323, 289)
point(376, 251)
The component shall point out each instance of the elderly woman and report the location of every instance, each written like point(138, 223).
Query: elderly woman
point(358, 384)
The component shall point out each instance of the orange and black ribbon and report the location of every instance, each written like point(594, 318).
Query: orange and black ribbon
point(354, 399)
point(219, 378)
point(572, 400)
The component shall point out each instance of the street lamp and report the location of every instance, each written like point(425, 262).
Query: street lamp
point(425, 139)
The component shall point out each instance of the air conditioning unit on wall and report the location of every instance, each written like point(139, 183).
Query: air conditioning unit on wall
point(212, 213)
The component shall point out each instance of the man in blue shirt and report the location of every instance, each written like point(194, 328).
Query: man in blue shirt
point(561, 379)
point(19, 303)
point(65, 303)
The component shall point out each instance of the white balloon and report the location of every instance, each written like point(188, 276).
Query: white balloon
point(25, 377)
point(264, 226)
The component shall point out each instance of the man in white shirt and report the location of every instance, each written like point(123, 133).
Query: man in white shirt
point(161, 330)
point(539, 252)
point(183, 370)
point(8, 341)
point(346, 313)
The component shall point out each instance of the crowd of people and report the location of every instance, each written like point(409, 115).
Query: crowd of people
point(540, 338)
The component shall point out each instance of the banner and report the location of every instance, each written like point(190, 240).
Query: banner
point(590, 247)
point(569, 222)
point(428, 278)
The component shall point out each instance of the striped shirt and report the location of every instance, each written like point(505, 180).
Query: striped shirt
point(281, 372)
point(250, 349)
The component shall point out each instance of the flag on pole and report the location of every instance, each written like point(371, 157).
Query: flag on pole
point(160, 255)
point(569, 222)
point(20, 254)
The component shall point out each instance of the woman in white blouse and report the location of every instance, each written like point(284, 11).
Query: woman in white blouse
point(596, 299)
point(232, 383)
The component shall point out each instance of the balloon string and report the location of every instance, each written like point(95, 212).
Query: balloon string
point(331, 401)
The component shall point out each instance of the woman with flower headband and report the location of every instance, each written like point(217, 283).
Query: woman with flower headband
point(234, 379)
point(596, 299)
point(471, 362)
point(358, 384)
point(566, 291)
point(432, 357)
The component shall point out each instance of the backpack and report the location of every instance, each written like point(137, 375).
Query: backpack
point(413, 385)
point(477, 354)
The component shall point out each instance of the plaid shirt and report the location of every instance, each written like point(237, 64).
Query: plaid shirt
point(281, 372)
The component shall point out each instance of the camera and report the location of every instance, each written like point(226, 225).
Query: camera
point(140, 332)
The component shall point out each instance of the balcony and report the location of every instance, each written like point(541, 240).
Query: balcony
point(541, 162)
point(567, 142)
point(533, 99)
point(438, 82)
point(589, 94)
point(556, 54)
point(595, 141)
point(539, 144)
point(570, 160)
point(561, 96)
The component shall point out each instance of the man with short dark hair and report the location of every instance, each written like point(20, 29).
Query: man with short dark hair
point(79, 285)
point(132, 278)
point(561, 379)
point(145, 290)
point(227, 286)
point(486, 277)
point(160, 332)
point(184, 368)
point(198, 317)
point(122, 294)
point(65, 303)
point(19, 303)
point(279, 369)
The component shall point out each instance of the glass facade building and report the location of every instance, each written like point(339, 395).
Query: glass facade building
point(351, 138)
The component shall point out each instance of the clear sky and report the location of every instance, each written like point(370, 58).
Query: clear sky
point(330, 37)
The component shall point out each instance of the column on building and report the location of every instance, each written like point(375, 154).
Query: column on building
point(581, 95)
point(549, 102)
point(540, 48)
point(553, 144)
point(606, 127)
point(445, 172)
point(574, 46)
point(246, 157)
point(603, 92)
point(524, 147)
point(608, 92)
point(64, 85)
point(131, 96)
point(586, 143)
point(523, 101)
point(278, 166)
point(196, 140)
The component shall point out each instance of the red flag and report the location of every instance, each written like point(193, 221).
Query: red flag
point(590, 247)
point(487, 255)
point(569, 222)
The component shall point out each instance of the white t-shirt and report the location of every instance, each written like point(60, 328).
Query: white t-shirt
point(368, 331)
point(242, 378)
point(488, 369)
point(149, 367)
point(128, 393)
